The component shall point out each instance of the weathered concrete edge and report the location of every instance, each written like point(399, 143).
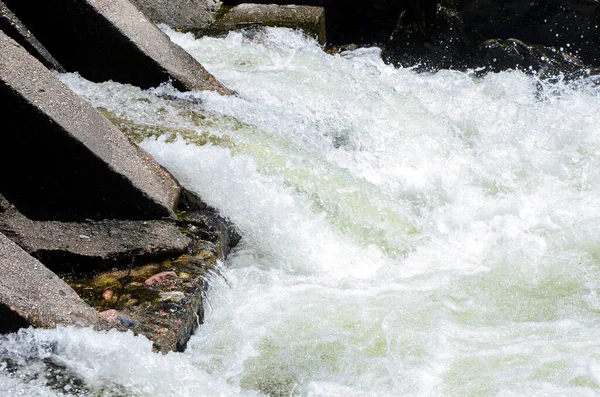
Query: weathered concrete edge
point(127, 19)
point(39, 87)
point(14, 28)
point(36, 294)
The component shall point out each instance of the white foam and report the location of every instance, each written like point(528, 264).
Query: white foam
point(404, 234)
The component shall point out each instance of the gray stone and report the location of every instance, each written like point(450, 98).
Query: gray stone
point(111, 40)
point(62, 160)
point(180, 14)
point(36, 295)
point(14, 28)
point(68, 245)
point(310, 19)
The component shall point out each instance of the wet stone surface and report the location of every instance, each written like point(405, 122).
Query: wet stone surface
point(162, 300)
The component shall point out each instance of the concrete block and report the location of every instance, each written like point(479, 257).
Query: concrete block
point(111, 40)
point(30, 294)
point(14, 28)
point(62, 160)
point(85, 246)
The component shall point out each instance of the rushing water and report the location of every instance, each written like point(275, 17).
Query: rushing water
point(403, 234)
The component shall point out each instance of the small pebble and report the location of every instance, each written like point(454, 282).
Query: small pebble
point(107, 295)
point(164, 278)
point(126, 321)
point(109, 315)
point(172, 296)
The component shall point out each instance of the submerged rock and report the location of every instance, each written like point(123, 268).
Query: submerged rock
point(497, 55)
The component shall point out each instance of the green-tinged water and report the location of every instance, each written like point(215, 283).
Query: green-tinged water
point(403, 234)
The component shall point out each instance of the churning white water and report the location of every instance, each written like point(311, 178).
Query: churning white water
point(403, 234)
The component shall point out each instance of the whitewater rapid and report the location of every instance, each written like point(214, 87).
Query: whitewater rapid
point(404, 234)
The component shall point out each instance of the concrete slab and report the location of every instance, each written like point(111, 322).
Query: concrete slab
point(87, 246)
point(35, 295)
point(111, 40)
point(14, 28)
point(62, 160)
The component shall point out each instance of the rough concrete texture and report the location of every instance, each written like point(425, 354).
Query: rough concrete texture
point(111, 40)
point(88, 245)
point(308, 18)
point(66, 161)
point(180, 14)
point(15, 29)
point(35, 294)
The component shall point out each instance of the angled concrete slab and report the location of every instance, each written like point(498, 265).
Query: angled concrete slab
point(111, 40)
point(30, 294)
point(85, 246)
point(62, 160)
point(14, 28)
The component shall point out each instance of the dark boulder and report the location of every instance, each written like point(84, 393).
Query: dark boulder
point(572, 26)
point(429, 37)
point(468, 34)
point(111, 40)
point(497, 55)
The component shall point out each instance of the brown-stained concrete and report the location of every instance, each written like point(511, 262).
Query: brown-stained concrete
point(111, 40)
point(62, 160)
point(34, 295)
point(310, 19)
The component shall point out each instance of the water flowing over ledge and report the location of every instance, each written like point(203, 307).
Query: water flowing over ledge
point(403, 234)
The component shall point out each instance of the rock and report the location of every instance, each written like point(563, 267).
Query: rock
point(497, 55)
point(209, 224)
point(14, 28)
point(572, 25)
point(429, 36)
point(161, 279)
point(166, 309)
point(127, 322)
point(309, 19)
point(111, 40)
point(35, 295)
point(67, 161)
point(172, 296)
point(111, 315)
point(88, 245)
point(365, 22)
point(456, 34)
point(107, 295)
point(185, 15)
